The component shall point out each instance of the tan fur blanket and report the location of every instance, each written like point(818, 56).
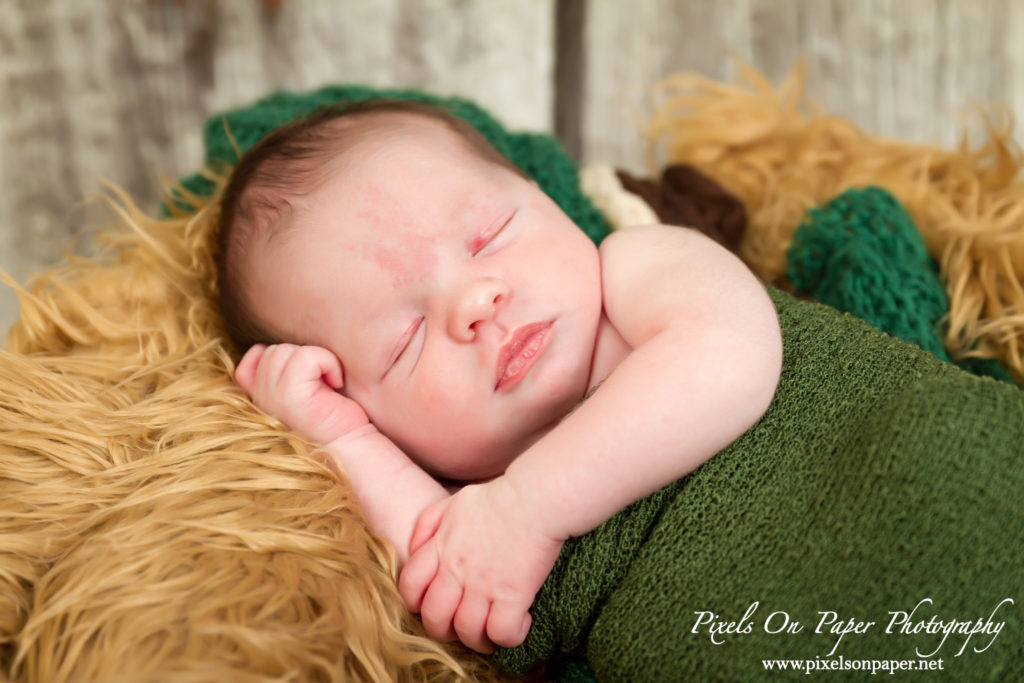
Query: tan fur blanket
point(153, 524)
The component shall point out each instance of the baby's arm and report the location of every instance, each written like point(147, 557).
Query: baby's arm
point(705, 361)
point(297, 385)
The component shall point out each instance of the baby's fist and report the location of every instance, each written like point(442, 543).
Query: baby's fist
point(298, 385)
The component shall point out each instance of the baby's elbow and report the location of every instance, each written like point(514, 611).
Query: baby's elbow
point(750, 362)
point(772, 370)
point(752, 388)
point(764, 369)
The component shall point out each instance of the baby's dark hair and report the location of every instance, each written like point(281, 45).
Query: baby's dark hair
point(267, 186)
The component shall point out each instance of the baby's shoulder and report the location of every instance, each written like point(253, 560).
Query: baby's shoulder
point(665, 268)
point(657, 237)
point(645, 249)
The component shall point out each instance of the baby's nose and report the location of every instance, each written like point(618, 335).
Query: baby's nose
point(476, 303)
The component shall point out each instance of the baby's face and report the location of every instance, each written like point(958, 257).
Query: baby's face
point(461, 301)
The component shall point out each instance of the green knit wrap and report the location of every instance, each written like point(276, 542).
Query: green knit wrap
point(879, 476)
point(539, 156)
point(862, 254)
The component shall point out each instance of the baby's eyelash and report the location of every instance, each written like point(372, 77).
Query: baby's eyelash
point(484, 238)
point(406, 340)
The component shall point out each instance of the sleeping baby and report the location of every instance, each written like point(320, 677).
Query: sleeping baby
point(411, 301)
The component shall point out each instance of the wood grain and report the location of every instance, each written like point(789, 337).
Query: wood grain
point(912, 69)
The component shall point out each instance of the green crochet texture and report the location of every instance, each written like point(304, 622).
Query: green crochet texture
point(862, 254)
point(538, 155)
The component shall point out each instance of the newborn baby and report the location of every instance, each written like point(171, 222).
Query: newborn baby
point(410, 300)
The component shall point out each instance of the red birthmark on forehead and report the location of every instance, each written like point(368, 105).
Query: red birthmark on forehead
point(413, 260)
point(396, 242)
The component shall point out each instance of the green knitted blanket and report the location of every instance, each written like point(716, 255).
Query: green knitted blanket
point(862, 254)
point(879, 477)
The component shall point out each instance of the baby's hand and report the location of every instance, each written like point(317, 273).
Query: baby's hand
point(297, 385)
point(477, 559)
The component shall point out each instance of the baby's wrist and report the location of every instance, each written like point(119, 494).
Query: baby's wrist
point(522, 504)
point(367, 433)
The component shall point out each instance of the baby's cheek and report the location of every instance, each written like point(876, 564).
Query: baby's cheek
point(434, 409)
point(431, 409)
point(453, 434)
point(432, 399)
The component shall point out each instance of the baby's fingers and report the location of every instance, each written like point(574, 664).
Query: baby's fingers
point(508, 623)
point(427, 524)
point(471, 623)
point(309, 363)
point(245, 372)
point(439, 605)
point(271, 365)
point(419, 571)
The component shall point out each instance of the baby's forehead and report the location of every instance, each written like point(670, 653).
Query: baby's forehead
point(405, 178)
point(404, 195)
point(376, 129)
point(422, 165)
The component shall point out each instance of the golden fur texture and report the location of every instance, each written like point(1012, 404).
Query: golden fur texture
point(154, 524)
point(780, 154)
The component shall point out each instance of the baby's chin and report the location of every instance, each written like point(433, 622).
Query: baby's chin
point(482, 454)
point(467, 463)
point(467, 468)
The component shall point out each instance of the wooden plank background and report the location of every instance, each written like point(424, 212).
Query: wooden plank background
point(912, 69)
point(119, 90)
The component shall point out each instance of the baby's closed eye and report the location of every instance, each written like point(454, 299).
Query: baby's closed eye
point(487, 235)
point(404, 342)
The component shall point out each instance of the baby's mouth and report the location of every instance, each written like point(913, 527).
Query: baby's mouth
point(519, 354)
